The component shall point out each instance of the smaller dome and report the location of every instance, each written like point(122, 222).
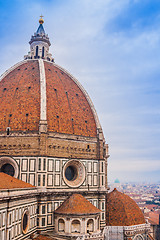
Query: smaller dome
point(117, 181)
point(77, 204)
point(122, 210)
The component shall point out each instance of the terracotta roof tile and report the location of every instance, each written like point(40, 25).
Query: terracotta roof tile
point(20, 98)
point(68, 109)
point(8, 182)
point(41, 237)
point(121, 210)
point(77, 204)
point(152, 222)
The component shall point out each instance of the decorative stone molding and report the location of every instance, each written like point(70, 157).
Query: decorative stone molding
point(11, 69)
point(8, 160)
point(77, 176)
point(43, 115)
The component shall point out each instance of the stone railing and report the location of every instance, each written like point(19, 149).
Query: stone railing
point(137, 227)
point(130, 230)
point(94, 236)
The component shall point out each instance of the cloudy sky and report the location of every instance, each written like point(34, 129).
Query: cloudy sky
point(113, 49)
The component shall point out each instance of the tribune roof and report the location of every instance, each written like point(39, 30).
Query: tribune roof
point(41, 237)
point(77, 204)
point(121, 210)
point(8, 182)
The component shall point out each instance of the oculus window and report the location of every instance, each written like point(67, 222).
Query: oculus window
point(74, 173)
point(8, 169)
point(25, 222)
point(9, 166)
point(71, 173)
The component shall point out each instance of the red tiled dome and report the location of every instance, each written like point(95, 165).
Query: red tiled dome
point(68, 110)
point(121, 210)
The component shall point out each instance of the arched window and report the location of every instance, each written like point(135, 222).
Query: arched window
point(36, 51)
point(42, 52)
point(138, 237)
point(75, 226)
point(90, 225)
point(8, 130)
point(98, 224)
point(61, 225)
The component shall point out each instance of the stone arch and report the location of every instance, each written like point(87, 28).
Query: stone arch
point(75, 226)
point(138, 237)
point(90, 225)
point(61, 225)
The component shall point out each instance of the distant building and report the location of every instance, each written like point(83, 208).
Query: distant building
point(53, 158)
point(154, 220)
point(117, 181)
point(116, 185)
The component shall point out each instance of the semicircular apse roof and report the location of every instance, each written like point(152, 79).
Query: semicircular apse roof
point(121, 210)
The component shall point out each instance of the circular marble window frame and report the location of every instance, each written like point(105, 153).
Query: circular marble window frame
point(24, 231)
point(9, 160)
point(80, 173)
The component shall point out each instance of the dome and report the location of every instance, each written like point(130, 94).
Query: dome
point(23, 98)
point(117, 181)
point(77, 204)
point(122, 210)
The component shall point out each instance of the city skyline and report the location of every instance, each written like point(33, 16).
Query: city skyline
point(113, 50)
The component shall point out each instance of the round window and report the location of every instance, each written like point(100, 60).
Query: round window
point(9, 166)
point(71, 173)
point(25, 222)
point(8, 169)
point(74, 173)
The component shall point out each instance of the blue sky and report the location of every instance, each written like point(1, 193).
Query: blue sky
point(113, 49)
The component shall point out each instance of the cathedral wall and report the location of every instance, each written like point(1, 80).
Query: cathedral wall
point(3, 215)
point(48, 203)
point(72, 148)
point(49, 172)
point(114, 233)
point(18, 145)
point(12, 216)
point(134, 232)
point(64, 224)
point(45, 213)
point(64, 146)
